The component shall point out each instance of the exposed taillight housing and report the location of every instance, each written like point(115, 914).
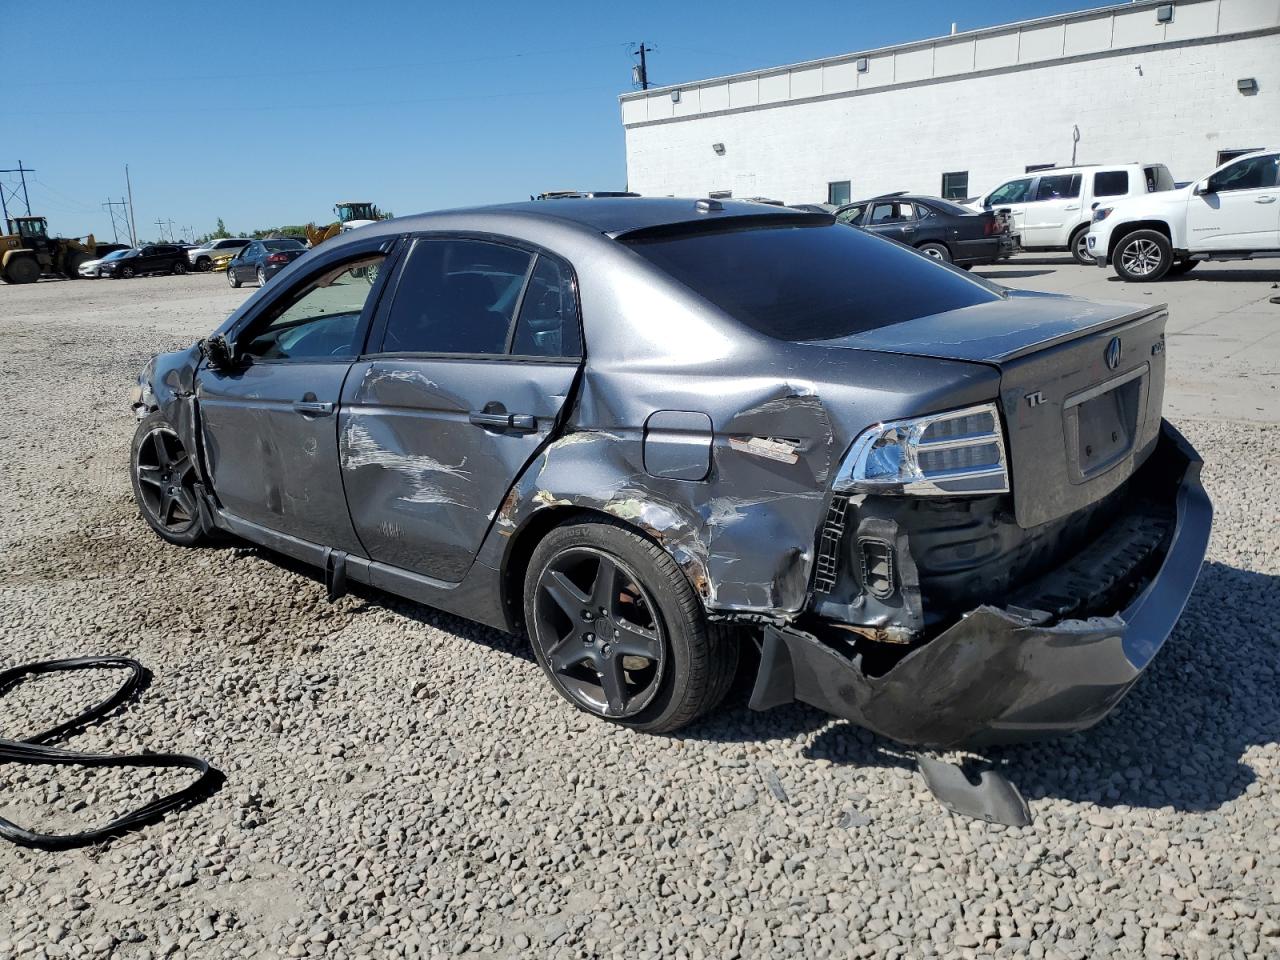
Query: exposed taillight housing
point(278, 258)
point(957, 453)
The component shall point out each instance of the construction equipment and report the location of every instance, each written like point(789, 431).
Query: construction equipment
point(27, 252)
point(351, 214)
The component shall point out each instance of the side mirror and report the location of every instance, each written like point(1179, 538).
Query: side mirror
point(1202, 188)
point(218, 352)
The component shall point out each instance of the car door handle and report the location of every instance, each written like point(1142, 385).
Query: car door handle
point(1075, 207)
point(1264, 200)
point(313, 408)
point(522, 422)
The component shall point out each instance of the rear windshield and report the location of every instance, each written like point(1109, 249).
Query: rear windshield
point(283, 244)
point(812, 282)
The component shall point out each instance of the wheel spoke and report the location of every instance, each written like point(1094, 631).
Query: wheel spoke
point(604, 589)
point(614, 683)
point(181, 466)
point(150, 476)
point(634, 640)
point(167, 502)
point(186, 501)
point(565, 593)
point(567, 653)
point(161, 448)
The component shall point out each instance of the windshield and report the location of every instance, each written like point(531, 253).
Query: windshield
point(117, 254)
point(821, 282)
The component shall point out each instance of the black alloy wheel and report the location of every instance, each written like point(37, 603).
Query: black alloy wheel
point(600, 633)
point(164, 479)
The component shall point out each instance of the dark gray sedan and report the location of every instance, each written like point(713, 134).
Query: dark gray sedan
point(652, 433)
point(261, 260)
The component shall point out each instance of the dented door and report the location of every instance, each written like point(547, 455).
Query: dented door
point(430, 447)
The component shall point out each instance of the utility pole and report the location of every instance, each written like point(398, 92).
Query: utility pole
point(133, 222)
point(22, 172)
point(166, 230)
point(119, 221)
point(640, 73)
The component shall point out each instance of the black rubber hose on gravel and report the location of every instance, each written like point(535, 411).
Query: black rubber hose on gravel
point(34, 750)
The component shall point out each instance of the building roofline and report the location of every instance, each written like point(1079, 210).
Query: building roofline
point(898, 47)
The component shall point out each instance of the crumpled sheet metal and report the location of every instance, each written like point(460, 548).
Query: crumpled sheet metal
point(745, 537)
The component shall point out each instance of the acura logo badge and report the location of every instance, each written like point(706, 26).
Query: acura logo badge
point(1113, 353)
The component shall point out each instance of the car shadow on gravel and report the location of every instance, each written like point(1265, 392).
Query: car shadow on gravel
point(1178, 740)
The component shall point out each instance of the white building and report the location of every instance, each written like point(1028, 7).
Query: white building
point(1188, 84)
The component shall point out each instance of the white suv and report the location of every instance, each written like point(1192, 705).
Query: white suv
point(1051, 209)
point(1232, 214)
point(202, 256)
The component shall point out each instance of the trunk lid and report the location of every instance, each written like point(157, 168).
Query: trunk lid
point(1081, 388)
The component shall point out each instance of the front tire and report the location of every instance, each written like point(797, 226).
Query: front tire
point(618, 630)
point(164, 478)
point(1080, 247)
point(1143, 256)
point(127, 271)
point(937, 251)
point(204, 264)
point(22, 269)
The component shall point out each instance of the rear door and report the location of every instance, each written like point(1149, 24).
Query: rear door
point(469, 370)
point(895, 219)
point(270, 423)
point(1054, 210)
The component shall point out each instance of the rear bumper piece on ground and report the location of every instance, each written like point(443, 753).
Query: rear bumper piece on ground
point(1000, 676)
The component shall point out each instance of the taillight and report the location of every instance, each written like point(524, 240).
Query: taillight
point(278, 258)
point(993, 226)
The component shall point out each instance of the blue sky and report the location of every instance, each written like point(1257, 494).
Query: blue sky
point(267, 112)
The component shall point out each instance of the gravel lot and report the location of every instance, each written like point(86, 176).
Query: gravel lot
point(396, 788)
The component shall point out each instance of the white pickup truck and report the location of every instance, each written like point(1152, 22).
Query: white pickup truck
point(1232, 214)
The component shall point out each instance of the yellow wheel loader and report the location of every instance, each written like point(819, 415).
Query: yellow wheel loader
point(351, 214)
point(27, 252)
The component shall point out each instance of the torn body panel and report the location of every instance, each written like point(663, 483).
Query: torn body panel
point(998, 675)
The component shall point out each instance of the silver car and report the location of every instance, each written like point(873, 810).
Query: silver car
point(655, 433)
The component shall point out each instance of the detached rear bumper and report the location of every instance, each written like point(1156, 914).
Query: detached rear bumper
point(1003, 676)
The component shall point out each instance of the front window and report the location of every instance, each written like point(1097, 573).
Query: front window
point(838, 192)
point(810, 281)
point(321, 321)
point(851, 214)
point(955, 186)
point(33, 228)
point(1015, 191)
point(1256, 173)
point(1111, 183)
point(355, 211)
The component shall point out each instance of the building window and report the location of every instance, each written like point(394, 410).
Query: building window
point(720, 195)
point(1225, 156)
point(1033, 167)
point(838, 192)
point(955, 186)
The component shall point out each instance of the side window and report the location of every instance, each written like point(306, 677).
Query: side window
point(851, 214)
point(1015, 191)
point(1256, 173)
point(923, 212)
point(1064, 186)
point(456, 296)
point(1111, 183)
point(1158, 178)
point(548, 321)
point(882, 213)
point(320, 321)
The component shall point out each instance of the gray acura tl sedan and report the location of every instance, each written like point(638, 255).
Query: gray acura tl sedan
point(649, 432)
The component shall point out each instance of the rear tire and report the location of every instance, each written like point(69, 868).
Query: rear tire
point(22, 270)
point(262, 277)
point(685, 666)
point(179, 268)
point(1143, 256)
point(232, 278)
point(204, 264)
point(937, 251)
point(1080, 248)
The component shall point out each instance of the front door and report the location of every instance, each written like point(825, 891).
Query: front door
point(1011, 196)
point(1241, 208)
point(270, 422)
point(241, 262)
point(467, 376)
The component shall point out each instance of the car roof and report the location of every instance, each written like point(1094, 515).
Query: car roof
point(612, 216)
